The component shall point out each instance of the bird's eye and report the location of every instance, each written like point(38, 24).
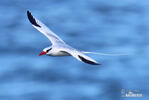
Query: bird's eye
point(49, 49)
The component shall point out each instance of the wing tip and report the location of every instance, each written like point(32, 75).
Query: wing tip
point(88, 61)
point(32, 19)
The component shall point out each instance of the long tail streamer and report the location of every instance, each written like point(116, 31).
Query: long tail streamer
point(104, 54)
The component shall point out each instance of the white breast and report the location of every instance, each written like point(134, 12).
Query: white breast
point(60, 53)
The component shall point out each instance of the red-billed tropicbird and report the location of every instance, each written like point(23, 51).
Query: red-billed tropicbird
point(58, 47)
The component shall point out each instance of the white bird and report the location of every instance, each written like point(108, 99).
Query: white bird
point(58, 47)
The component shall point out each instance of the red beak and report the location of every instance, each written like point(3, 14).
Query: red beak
point(42, 53)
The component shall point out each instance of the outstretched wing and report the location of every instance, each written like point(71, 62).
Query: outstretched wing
point(44, 29)
point(82, 57)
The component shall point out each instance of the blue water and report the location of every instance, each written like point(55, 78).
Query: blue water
point(115, 26)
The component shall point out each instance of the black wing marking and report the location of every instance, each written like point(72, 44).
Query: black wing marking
point(32, 19)
point(88, 61)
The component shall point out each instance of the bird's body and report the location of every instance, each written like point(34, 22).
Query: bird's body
point(59, 47)
point(58, 51)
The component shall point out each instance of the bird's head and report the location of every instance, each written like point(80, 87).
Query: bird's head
point(46, 51)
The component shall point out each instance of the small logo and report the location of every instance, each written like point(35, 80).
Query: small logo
point(131, 93)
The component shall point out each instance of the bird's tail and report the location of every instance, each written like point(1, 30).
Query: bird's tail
point(104, 54)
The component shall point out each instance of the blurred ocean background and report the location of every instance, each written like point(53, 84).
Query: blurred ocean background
point(107, 26)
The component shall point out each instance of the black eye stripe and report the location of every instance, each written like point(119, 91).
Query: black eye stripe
point(49, 49)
